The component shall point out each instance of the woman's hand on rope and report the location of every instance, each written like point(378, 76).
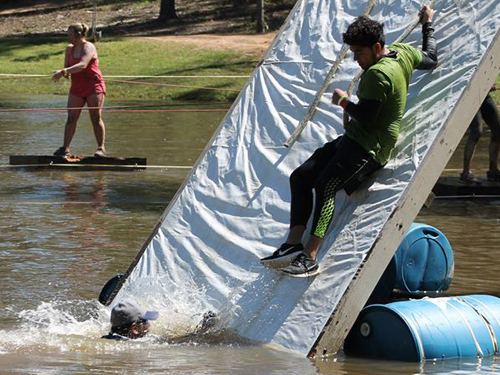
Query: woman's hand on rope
point(58, 74)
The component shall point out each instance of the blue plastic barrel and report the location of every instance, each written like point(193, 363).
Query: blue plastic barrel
point(429, 328)
point(424, 260)
point(423, 263)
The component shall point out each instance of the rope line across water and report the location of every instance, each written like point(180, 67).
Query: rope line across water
point(15, 75)
point(6, 110)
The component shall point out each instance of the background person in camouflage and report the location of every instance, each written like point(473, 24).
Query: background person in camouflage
point(489, 113)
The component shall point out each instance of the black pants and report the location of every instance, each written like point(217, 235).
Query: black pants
point(340, 164)
point(489, 113)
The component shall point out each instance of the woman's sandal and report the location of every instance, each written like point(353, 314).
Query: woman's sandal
point(100, 153)
point(62, 151)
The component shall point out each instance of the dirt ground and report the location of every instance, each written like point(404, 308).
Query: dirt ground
point(208, 23)
point(254, 44)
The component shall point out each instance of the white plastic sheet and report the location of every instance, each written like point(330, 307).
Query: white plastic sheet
point(234, 207)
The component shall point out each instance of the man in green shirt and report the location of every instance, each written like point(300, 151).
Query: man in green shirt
point(370, 136)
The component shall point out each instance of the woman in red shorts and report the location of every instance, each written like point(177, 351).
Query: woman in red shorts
point(87, 86)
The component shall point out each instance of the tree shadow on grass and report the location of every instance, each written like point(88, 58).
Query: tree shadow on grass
point(12, 43)
point(155, 27)
point(202, 95)
point(38, 57)
point(229, 66)
point(52, 6)
point(55, 5)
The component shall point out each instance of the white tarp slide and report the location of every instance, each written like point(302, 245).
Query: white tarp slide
point(234, 207)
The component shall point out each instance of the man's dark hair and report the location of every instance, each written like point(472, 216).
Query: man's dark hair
point(364, 32)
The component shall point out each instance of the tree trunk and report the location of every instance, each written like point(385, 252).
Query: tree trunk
point(167, 10)
point(260, 25)
point(237, 4)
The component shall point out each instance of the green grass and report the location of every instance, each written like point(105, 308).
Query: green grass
point(128, 56)
point(131, 56)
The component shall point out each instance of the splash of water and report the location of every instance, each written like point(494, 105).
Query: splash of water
point(57, 325)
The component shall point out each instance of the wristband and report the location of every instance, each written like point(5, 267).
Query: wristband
point(340, 100)
point(64, 72)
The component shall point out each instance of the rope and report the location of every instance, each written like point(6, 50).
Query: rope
point(14, 75)
point(6, 110)
point(131, 106)
point(176, 76)
point(175, 104)
point(17, 76)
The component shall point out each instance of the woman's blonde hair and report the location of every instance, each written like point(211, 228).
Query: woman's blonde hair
point(80, 29)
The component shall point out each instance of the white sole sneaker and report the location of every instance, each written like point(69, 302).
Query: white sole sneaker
point(276, 260)
point(306, 274)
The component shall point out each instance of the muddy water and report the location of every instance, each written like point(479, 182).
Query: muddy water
point(63, 234)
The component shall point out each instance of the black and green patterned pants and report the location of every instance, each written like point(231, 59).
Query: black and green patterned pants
point(340, 164)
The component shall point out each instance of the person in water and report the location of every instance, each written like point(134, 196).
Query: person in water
point(368, 141)
point(87, 87)
point(129, 321)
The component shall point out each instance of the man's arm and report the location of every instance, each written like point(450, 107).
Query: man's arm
point(366, 111)
point(429, 47)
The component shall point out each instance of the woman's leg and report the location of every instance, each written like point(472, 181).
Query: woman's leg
point(470, 146)
point(489, 113)
point(97, 100)
point(73, 116)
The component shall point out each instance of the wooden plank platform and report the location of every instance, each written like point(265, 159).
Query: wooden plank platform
point(452, 187)
point(33, 162)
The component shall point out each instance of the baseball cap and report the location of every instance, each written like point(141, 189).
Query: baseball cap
point(127, 312)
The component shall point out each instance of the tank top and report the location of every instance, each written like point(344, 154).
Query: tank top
point(87, 82)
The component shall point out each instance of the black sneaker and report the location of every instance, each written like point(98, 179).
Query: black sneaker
point(284, 255)
point(493, 175)
point(302, 266)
